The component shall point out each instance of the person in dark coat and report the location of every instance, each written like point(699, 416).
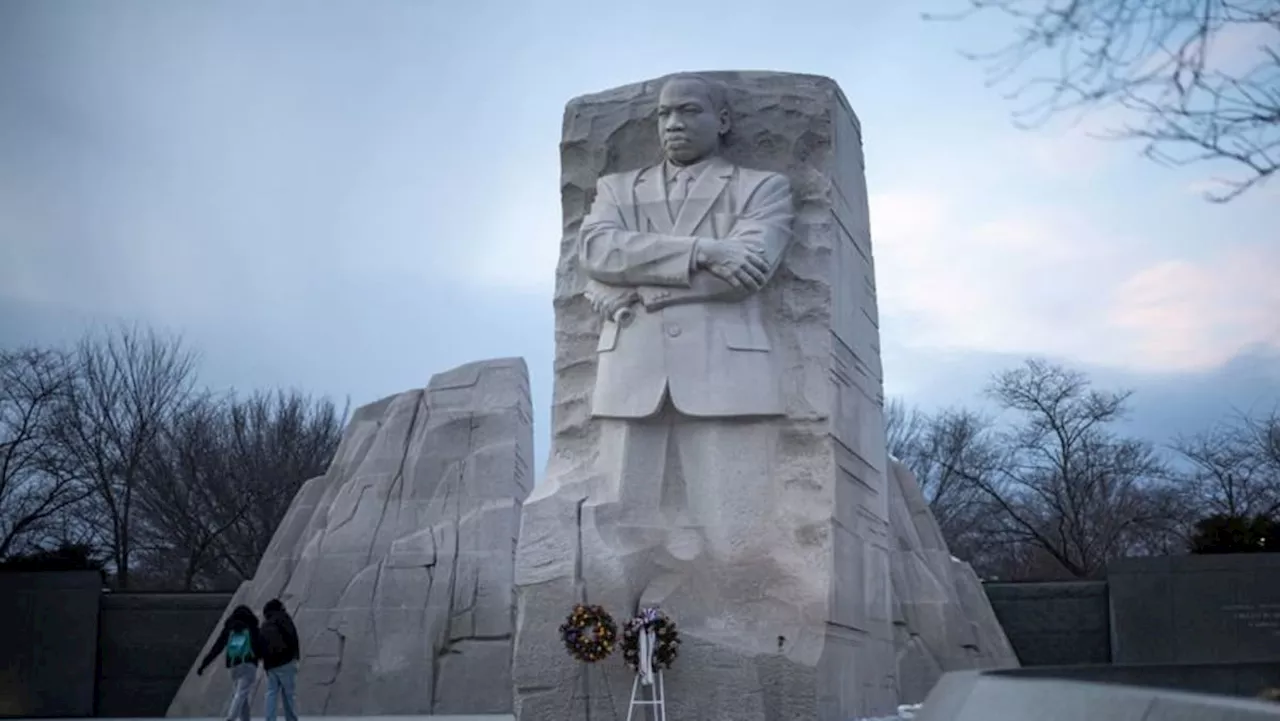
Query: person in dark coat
point(280, 659)
point(241, 640)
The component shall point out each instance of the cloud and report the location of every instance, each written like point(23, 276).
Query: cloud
point(1069, 146)
point(1189, 316)
point(1238, 48)
point(1017, 278)
point(965, 277)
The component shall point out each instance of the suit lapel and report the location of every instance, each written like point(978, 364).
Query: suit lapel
point(702, 196)
point(651, 199)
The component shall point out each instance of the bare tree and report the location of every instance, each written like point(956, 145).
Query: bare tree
point(222, 476)
point(1179, 67)
point(279, 441)
point(1064, 482)
point(1232, 470)
point(127, 387)
point(33, 490)
point(903, 428)
point(946, 452)
point(1266, 434)
point(1228, 474)
point(185, 499)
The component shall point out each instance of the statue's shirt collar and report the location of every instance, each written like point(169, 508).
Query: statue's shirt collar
point(670, 170)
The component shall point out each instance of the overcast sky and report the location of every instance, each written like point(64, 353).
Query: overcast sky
point(346, 197)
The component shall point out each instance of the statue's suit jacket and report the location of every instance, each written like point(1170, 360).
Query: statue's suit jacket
point(696, 336)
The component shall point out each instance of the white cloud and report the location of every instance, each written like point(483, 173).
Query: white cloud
point(1190, 316)
point(1028, 280)
point(1066, 146)
point(1073, 151)
point(969, 280)
point(1238, 48)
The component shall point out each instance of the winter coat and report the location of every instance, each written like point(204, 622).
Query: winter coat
point(289, 650)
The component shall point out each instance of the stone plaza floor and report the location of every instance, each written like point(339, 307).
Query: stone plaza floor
point(478, 717)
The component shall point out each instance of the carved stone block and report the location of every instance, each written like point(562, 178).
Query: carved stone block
point(942, 618)
point(397, 563)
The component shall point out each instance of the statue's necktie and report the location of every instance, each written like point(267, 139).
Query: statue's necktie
point(680, 190)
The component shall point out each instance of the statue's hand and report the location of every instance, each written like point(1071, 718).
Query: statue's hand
point(608, 299)
point(738, 264)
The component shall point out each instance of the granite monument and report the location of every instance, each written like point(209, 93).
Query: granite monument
point(718, 444)
point(397, 563)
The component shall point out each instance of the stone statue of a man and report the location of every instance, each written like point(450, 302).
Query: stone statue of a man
point(686, 378)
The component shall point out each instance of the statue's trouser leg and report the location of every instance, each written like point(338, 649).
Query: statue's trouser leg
point(623, 527)
point(632, 465)
point(756, 581)
point(728, 466)
point(697, 524)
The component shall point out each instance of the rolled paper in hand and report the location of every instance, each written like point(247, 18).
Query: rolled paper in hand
point(623, 315)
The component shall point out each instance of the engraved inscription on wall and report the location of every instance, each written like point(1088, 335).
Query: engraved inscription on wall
point(1256, 617)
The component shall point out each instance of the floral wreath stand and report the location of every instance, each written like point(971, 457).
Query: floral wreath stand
point(647, 678)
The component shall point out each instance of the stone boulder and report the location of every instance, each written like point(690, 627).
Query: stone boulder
point(397, 563)
point(942, 619)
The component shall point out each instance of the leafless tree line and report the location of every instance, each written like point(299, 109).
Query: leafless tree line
point(111, 444)
point(1048, 487)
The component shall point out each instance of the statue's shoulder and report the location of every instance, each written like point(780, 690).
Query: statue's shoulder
point(754, 177)
point(753, 181)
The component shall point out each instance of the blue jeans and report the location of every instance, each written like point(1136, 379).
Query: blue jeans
point(281, 681)
point(243, 676)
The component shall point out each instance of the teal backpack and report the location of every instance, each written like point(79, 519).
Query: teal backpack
point(239, 647)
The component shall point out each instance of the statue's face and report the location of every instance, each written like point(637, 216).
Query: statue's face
point(688, 126)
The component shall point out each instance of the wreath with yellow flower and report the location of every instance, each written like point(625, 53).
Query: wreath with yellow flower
point(589, 633)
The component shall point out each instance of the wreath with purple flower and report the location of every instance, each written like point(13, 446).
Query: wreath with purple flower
point(666, 639)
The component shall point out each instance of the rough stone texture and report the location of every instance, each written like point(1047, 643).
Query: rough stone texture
point(397, 563)
point(942, 619)
point(832, 497)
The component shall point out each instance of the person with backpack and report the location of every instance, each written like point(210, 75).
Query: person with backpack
point(242, 642)
point(281, 653)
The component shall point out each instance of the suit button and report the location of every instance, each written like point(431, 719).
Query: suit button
point(673, 330)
